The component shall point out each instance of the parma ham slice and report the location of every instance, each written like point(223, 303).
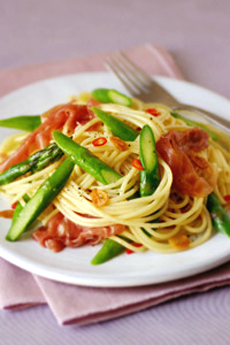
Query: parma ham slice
point(69, 115)
point(60, 232)
point(192, 174)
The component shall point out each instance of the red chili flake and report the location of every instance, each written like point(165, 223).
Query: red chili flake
point(99, 141)
point(129, 251)
point(137, 164)
point(153, 112)
point(227, 197)
point(13, 206)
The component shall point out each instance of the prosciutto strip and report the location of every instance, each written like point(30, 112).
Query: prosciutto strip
point(192, 174)
point(54, 119)
point(192, 140)
point(60, 232)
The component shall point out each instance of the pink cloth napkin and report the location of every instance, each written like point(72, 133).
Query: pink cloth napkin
point(85, 305)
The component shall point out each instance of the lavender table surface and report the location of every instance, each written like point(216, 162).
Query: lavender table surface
point(197, 33)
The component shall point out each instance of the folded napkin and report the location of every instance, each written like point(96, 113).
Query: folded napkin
point(84, 305)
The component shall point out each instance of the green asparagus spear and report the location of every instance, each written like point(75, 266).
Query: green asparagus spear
point(50, 154)
point(41, 199)
point(39, 160)
point(86, 160)
point(220, 218)
point(25, 123)
point(109, 250)
point(149, 177)
point(112, 96)
point(19, 207)
point(192, 123)
point(117, 127)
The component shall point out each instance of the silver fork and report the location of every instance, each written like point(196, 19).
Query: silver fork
point(140, 85)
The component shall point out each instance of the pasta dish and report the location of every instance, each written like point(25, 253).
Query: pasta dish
point(115, 170)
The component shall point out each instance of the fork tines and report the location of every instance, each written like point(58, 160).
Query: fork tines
point(133, 78)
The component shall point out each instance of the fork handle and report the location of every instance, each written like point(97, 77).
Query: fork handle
point(219, 122)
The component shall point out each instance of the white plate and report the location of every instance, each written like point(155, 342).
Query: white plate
point(73, 265)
